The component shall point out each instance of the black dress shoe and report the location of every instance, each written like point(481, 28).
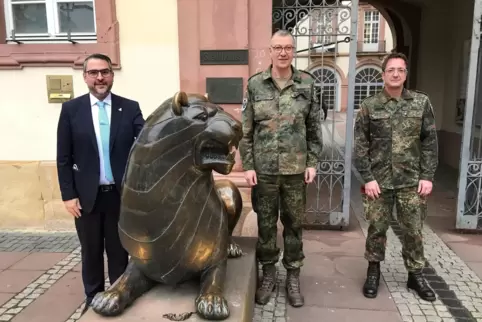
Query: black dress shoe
point(88, 302)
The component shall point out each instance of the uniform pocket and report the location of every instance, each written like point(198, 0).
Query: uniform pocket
point(412, 123)
point(366, 207)
point(380, 125)
point(301, 100)
point(264, 106)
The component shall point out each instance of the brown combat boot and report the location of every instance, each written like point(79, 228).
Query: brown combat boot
point(293, 291)
point(417, 282)
point(370, 288)
point(263, 293)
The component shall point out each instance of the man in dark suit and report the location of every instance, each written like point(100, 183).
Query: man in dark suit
point(94, 137)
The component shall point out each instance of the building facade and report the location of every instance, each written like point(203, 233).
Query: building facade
point(156, 49)
point(325, 53)
point(37, 54)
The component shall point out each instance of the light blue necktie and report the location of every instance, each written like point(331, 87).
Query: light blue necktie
point(104, 127)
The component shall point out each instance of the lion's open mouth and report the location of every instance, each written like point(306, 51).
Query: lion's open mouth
point(218, 153)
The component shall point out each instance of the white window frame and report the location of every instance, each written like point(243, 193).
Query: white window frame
point(53, 23)
point(336, 84)
point(371, 43)
point(367, 84)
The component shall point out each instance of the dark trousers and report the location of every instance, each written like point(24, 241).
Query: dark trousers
point(96, 229)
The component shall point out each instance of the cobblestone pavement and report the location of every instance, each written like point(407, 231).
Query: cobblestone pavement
point(62, 242)
point(275, 309)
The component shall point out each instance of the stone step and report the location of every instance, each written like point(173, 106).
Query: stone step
point(240, 288)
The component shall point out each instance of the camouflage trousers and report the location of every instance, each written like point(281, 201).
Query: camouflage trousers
point(284, 195)
point(411, 213)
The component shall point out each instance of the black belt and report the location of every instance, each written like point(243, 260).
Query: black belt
point(107, 188)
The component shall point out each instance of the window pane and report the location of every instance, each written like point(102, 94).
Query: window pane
point(29, 18)
point(78, 15)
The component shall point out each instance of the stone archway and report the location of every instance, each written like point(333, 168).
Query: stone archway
point(404, 21)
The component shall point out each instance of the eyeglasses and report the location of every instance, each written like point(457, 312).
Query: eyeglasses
point(398, 70)
point(277, 49)
point(94, 72)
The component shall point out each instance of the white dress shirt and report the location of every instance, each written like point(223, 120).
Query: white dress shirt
point(95, 119)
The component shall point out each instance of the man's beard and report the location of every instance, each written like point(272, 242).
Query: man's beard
point(105, 90)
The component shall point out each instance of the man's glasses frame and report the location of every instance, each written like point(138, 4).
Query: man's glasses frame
point(278, 49)
point(93, 73)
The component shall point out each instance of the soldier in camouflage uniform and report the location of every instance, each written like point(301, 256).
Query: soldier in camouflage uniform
point(280, 149)
point(396, 154)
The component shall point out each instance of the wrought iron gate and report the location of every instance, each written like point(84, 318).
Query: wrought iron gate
point(469, 203)
point(322, 29)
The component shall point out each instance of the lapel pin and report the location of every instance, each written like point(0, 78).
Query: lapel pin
point(120, 109)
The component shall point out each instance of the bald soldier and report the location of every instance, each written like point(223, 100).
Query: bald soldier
point(396, 154)
point(280, 150)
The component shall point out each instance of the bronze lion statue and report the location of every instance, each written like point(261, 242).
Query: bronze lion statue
point(176, 222)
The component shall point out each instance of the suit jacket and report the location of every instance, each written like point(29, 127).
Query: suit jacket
point(78, 163)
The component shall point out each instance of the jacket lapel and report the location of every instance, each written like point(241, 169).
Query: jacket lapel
point(115, 117)
point(89, 121)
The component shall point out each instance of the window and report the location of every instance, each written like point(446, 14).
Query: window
point(371, 30)
point(54, 49)
point(368, 81)
point(327, 86)
point(324, 28)
point(37, 20)
point(372, 25)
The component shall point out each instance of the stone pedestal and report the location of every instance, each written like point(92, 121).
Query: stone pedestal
point(240, 289)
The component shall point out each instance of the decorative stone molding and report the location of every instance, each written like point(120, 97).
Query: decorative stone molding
point(17, 56)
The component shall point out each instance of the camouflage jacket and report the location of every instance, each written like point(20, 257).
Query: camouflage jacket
point(281, 129)
point(396, 140)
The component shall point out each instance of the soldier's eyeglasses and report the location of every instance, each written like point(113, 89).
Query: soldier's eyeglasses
point(94, 72)
point(398, 70)
point(278, 49)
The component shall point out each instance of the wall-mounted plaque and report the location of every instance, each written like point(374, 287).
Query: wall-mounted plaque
point(225, 90)
point(224, 57)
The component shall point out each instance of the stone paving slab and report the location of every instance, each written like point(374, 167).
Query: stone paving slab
point(12, 281)
point(8, 259)
point(63, 297)
point(38, 261)
point(4, 297)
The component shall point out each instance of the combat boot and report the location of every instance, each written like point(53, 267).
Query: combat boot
point(293, 288)
point(417, 282)
point(370, 288)
point(263, 293)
